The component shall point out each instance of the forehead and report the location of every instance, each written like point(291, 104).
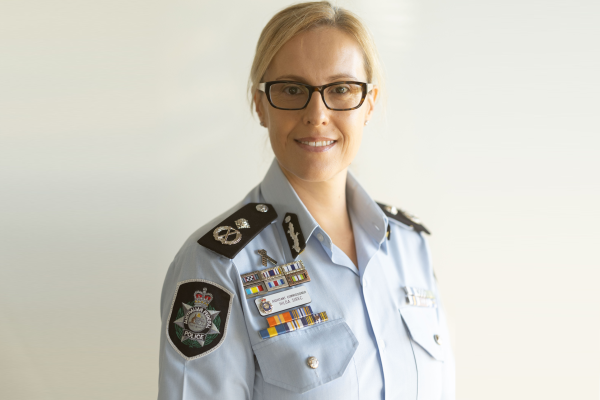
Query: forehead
point(318, 56)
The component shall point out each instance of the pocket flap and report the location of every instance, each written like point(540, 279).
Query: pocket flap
point(423, 327)
point(283, 359)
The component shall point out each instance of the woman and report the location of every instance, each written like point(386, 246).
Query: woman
point(307, 289)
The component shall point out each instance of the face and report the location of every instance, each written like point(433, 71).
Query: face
point(316, 144)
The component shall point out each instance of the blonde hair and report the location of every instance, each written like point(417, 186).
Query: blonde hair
point(302, 17)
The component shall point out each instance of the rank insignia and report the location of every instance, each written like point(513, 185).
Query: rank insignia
point(228, 241)
point(293, 234)
point(242, 223)
point(198, 318)
point(404, 217)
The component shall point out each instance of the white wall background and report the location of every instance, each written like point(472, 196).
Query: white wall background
point(124, 124)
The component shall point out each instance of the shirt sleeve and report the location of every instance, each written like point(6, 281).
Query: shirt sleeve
point(205, 350)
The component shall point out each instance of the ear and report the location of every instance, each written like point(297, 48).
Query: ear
point(258, 106)
point(370, 102)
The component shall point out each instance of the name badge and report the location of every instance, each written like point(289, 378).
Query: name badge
point(281, 301)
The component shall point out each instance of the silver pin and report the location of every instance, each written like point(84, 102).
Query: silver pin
point(262, 208)
point(391, 209)
point(223, 238)
point(293, 235)
point(264, 258)
point(242, 223)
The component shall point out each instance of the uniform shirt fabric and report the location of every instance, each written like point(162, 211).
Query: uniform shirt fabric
point(374, 345)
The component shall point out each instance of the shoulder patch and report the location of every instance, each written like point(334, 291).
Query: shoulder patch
point(198, 318)
point(236, 231)
point(404, 217)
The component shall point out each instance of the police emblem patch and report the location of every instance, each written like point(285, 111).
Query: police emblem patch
point(198, 318)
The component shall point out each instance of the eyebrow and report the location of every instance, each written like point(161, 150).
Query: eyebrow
point(330, 79)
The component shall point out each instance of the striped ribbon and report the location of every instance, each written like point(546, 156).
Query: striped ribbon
point(412, 291)
point(293, 325)
point(277, 282)
point(420, 301)
point(289, 316)
point(293, 266)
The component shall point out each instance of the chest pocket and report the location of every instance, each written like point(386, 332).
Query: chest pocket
point(283, 359)
point(428, 348)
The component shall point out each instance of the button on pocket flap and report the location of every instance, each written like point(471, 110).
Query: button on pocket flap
point(424, 329)
point(284, 360)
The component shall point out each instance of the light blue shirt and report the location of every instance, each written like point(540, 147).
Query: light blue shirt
point(375, 345)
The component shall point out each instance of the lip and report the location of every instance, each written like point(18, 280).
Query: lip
point(312, 149)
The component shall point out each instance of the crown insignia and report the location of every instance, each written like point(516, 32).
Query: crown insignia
point(202, 299)
point(242, 223)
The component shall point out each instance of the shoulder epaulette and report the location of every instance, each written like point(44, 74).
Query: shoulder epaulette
point(404, 217)
point(232, 234)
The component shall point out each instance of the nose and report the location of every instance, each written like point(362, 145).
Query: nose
point(315, 112)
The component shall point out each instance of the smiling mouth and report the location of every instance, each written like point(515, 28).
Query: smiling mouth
point(318, 144)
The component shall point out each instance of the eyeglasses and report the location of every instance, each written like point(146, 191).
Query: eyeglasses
point(337, 96)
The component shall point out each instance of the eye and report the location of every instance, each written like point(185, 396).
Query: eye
point(339, 90)
point(293, 90)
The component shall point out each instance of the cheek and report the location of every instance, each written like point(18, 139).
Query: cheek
point(280, 125)
point(352, 129)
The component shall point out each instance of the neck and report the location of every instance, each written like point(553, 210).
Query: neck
point(326, 201)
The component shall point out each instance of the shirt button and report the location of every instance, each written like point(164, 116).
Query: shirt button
point(438, 340)
point(320, 237)
point(313, 362)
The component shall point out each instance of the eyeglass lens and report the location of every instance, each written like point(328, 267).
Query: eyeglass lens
point(294, 96)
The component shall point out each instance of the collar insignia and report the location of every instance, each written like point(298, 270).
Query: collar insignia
point(293, 234)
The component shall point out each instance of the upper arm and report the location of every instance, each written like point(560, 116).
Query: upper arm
point(204, 348)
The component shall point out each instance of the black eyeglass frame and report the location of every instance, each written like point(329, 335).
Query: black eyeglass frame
point(266, 88)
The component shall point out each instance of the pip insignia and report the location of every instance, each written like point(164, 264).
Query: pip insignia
point(198, 317)
point(404, 217)
point(264, 258)
point(294, 234)
point(252, 218)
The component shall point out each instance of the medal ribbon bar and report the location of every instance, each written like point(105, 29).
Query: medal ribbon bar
point(293, 325)
point(289, 316)
point(275, 278)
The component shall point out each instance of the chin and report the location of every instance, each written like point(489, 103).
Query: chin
point(313, 171)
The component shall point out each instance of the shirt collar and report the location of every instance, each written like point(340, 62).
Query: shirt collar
point(364, 210)
point(276, 190)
